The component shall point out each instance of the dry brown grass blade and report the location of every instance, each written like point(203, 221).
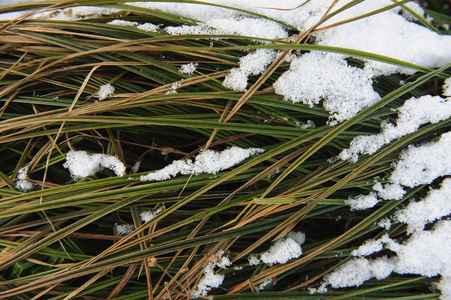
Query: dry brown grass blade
point(118, 288)
point(88, 283)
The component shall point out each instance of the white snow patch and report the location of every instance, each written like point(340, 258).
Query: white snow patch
point(148, 27)
point(148, 215)
point(371, 246)
point(23, 182)
point(284, 249)
point(105, 91)
point(82, 164)
point(123, 23)
point(207, 161)
point(326, 77)
point(423, 164)
point(436, 205)
point(210, 279)
point(252, 64)
point(357, 271)
point(414, 113)
point(265, 283)
point(188, 68)
point(253, 260)
point(447, 87)
point(123, 229)
point(362, 202)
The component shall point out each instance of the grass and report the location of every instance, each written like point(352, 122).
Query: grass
point(58, 241)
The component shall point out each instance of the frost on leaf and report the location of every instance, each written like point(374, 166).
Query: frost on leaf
point(82, 164)
point(207, 161)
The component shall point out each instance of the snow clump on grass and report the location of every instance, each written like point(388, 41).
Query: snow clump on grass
point(208, 161)
point(417, 165)
point(252, 64)
point(412, 114)
point(425, 253)
point(23, 182)
point(188, 68)
point(284, 249)
point(82, 164)
point(316, 76)
point(123, 23)
point(210, 279)
point(105, 91)
point(435, 205)
point(148, 215)
point(123, 229)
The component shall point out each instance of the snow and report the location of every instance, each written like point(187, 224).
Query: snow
point(447, 87)
point(435, 205)
point(82, 164)
point(412, 114)
point(207, 161)
point(253, 260)
point(362, 202)
point(264, 284)
point(417, 165)
point(123, 229)
point(318, 76)
point(371, 246)
point(105, 91)
point(423, 164)
point(252, 64)
point(123, 23)
point(148, 27)
point(148, 215)
point(23, 182)
point(284, 249)
point(188, 68)
point(210, 279)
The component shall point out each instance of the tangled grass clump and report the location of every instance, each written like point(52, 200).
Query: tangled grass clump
point(59, 240)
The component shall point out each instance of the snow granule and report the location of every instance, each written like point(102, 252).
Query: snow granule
point(105, 91)
point(318, 76)
point(148, 215)
point(148, 27)
point(357, 271)
point(284, 249)
point(253, 260)
point(123, 23)
point(371, 246)
point(82, 164)
point(447, 87)
point(265, 283)
point(210, 279)
point(362, 202)
point(436, 205)
point(23, 182)
point(188, 68)
point(385, 223)
point(207, 161)
point(123, 229)
point(392, 191)
point(426, 253)
point(423, 164)
point(252, 64)
point(414, 113)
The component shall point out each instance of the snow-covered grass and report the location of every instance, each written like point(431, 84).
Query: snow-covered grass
point(174, 150)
